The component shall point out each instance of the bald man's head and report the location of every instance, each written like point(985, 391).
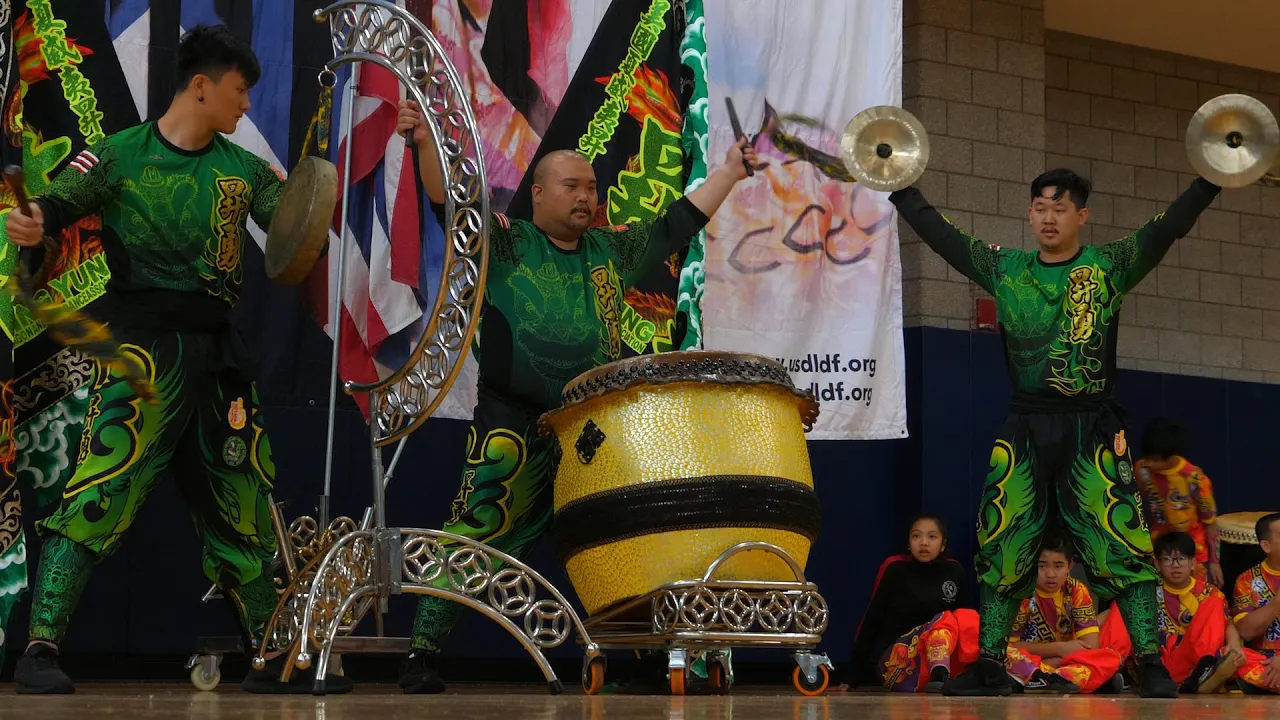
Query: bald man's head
point(564, 194)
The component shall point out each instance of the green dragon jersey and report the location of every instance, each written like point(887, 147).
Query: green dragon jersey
point(172, 219)
point(1059, 320)
point(551, 314)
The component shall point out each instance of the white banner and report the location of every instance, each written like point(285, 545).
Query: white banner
point(802, 267)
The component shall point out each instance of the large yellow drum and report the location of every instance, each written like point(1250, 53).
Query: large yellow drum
point(669, 460)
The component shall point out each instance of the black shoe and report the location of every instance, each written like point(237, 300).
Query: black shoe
point(419, 675)
point(38, 672)
point(1154, 680)
point(267, 681)
point(937, 678)
point(1044, 683)
point(1114, 686)
point(985, 678)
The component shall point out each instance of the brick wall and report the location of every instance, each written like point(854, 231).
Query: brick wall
point(1120, 114)
point(1003, 100)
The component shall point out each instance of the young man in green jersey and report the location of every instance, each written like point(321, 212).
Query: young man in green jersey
point(174, 196)
point(551, 312)
point(1061, 461)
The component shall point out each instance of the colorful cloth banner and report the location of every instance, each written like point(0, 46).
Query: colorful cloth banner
point(801, 264)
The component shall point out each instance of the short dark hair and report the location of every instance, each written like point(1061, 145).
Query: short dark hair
point(213, 50)
point(1065, 182)
point(1164, 438)
point(1263, 528)
point(1179, 542)
point(1056, 542)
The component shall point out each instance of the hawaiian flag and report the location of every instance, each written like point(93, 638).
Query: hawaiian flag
point(391, 251)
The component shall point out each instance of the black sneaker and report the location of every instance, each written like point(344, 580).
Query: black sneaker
point(1044, 683)
point(267, 681)
point(1154, 680)
point(985, 678)
point(419, 675)
point(1211, 674)
point(937, 678)
point(38, 672)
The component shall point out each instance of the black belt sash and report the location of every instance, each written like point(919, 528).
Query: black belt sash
point(694, 503)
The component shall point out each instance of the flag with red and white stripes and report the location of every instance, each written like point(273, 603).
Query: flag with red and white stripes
point(384, 294)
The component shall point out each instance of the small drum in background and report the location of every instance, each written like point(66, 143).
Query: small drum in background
point(669, 460)
point(1239, 545)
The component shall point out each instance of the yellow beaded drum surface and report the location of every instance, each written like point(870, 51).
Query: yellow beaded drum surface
point(669, 460)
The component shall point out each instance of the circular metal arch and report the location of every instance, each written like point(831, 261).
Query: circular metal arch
point(379, 32)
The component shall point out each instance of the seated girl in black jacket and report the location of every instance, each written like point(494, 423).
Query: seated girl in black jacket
point(916, 632)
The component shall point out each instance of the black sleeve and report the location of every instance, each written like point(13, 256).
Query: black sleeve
point(1135, 256)
point(864, 655)
point(641, 247)
point(972, 257)
point(962, 586)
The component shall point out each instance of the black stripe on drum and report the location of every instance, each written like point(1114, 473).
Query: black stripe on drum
point(696, 503)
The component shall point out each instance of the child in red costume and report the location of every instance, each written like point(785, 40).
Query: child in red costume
point(1257, 612)
point(1054, 645)
point(1178, 496)
point(1198, 641)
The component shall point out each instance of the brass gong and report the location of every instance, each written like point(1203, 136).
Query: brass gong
point(1232, 140)
point(299, 230)
point(885, 148)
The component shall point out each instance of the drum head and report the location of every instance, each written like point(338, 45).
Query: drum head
point(299, 230)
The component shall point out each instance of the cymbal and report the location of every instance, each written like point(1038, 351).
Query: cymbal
point(299, 230)
point(885, 148)
point(1233, 140)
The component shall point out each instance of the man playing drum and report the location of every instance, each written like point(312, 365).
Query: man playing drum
point(174, 196)
point(551, 311)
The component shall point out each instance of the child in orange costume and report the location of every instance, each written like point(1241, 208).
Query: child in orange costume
point(915, 635)
point(1198, 641)
point(1179, 496)
point(1054, 645)
point(1257, 612)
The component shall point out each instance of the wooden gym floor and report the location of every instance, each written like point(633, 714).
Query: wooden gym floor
point(507, 702)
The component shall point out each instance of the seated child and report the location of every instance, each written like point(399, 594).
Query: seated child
point(1198, 642)
point(1257, 613)
point(1054, 643)
point(915, 634)
point(1178, 495)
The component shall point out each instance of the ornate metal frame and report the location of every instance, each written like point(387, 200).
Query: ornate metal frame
point(716, 615)
point(338, 571)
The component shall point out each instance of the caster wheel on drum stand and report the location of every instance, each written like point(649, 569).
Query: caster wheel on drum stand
point(593, 676)
point(678, 677)
point(812, 674)
point(719, 678)
point(205, 673)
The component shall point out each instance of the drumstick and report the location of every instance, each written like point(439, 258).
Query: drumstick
point(17, 183)
point(737, 133)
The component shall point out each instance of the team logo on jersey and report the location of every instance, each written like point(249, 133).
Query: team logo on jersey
point(1126, 472)
point(234, 451)
point(1121, 446)
point(949, 591)
point(236, 415)
point(84, 162)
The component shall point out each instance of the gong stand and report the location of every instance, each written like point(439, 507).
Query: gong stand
point(339, 571)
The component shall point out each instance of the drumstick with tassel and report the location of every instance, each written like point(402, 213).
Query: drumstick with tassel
point(66, 326)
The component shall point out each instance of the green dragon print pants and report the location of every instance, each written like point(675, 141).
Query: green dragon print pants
point(207, 427)
point(504, 501)
point(1068, 473)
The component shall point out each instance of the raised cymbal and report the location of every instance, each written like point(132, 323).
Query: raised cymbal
point(299, 229)
point(885, 148)
point(1233, 140)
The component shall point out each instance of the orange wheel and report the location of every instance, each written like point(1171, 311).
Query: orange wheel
point(677, 681)
point(805, 688)
point(593, 677)
point(717, 678)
